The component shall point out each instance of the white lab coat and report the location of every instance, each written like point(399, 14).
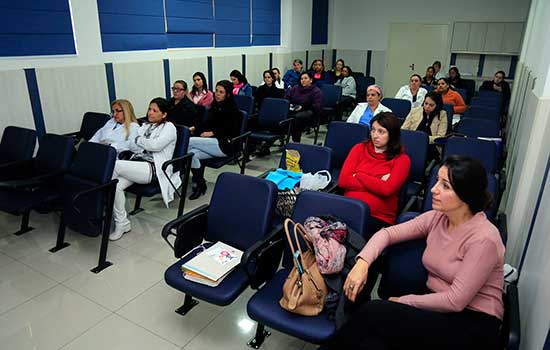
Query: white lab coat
point(405, 94)
point(358, 112)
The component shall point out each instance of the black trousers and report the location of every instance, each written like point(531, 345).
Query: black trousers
point(382, 324)
point(301, 120)
point(345, 102)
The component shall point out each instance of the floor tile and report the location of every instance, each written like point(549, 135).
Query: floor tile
point(117, 333)
point(19, 283)
point(154, 310)
point(154, 247)
point(49, 321)
point(5, 260)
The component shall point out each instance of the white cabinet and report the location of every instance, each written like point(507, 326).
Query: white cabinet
point(461, 31)
point(493, 40)
point(487, 37)
point(476, 39)
point(513, 32)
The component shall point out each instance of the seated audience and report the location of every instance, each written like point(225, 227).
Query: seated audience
point(365, 111)
point(305, 102)
point(318, 74)
point(240, 84)
point(429, 79)
point(349, 91)
point(437, 70)
point(498, 84)
point(412, 92)
point(182, 110)
point(450, 96)
point(455, 79)
point(429, 118)
point(292, 76)
point(222, 124)
point(268, 89)
point(200, 95)
point(336, 73)
point(154, 144)
point(375, 170)
point(462, 306)
point(121, 129)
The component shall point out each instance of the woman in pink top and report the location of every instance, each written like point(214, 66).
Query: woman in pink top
point(464, 257)
point(200, 95)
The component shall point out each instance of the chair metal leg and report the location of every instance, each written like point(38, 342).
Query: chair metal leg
point(108, 215)
point(261, 334)
point(60, 243)
point(137, 206)
point(188, 304)
point(24, 224)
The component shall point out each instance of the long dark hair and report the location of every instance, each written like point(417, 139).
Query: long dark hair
point(434, 96)
point(240, 77)
point(389, 121)
point(229, 101)
point(204, 82)
point(163, 105)
point(468, 179)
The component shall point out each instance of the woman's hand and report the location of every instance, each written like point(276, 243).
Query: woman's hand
point(386, 177)
point(207, 134)
point(298, 108)
point(356, 280)
point(394, 299)
point(192, 129)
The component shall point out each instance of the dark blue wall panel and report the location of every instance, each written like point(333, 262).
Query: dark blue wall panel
point(319, 22)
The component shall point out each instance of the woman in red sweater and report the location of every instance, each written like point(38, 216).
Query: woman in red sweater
point(450, 96)
point(375, 170)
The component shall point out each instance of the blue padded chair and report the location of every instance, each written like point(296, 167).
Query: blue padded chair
point(463, 94)
point(331, 97)
point(341, 137)
point(264, 307)
point(450, 112)
point(88, 196)
point(361, 86)
point(470, 87)
point(91, 123)
point(483, 112)
point(245, 103)
point(416, 147)
point(490, 101)
point(240, 156)
point(400, 108)
point(273, 122)
point(478, 128)
point(489, 95)
point(181, 162)
point(312, 157)
point(34, 183)
point(17, 144)
point(483, 150)
point(223, 220)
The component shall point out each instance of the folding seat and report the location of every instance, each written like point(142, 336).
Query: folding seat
point(400, 108)
point(263, 306)
point(273, 122)
point(181, 162)
point(16, 144)
point(91, 123)
point(223, 220)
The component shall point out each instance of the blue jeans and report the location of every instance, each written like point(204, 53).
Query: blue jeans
point(204, 148)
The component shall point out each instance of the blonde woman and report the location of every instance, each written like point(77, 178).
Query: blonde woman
point(120, 129)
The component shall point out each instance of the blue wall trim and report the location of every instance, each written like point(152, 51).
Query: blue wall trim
point(333, 58)
point(453, 59)
point(307, 61)
point(36, 106)
point(323, 55)
point(110, 81)
point(512, 70)
point(270, 60)
point(369, 61)
point(209, 63)
point(480, 65)
point(547, 342)
point(244, 64)
point(167, 84)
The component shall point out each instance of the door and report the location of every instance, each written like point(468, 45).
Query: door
point(412, 47)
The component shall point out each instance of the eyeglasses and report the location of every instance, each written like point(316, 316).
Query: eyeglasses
point(175, 89)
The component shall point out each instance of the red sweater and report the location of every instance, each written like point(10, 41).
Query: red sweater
point(361, 178)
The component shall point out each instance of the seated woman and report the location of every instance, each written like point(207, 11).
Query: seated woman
point(455, 79)
point(429, 79)
point(318, 74)
point(450, 96)
point(292, 76)
point(336, 73)
point(375, 170)
point(222, 124)
point(305, 102)
point(431, 119)
point(182, 110)
point(365, 111)
point(413, 92)
point(349, 91)
point(462, 306)
point(279, 83)
point(240, 84)
point(121, 129)
point(438, 73)
point(498, 84)
point(268, 89)
point(200, 95)
point(154, 144)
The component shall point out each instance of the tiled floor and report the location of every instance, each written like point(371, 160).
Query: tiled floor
point(52, 301)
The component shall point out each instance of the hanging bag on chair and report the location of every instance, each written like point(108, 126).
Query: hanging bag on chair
point(304, 290)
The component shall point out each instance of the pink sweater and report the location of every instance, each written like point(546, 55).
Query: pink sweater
point(465, 266)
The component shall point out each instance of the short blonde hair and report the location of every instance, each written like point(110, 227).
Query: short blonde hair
point(129, 115)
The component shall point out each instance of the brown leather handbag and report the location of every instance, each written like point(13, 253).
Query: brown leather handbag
point(304, 291)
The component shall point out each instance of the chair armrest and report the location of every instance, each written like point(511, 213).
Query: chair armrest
point(502, 225)
point(265, 173)
point(429, 168)
point(195, 219)
point(32, 182)
point(288, 120)
point(72, 134)
point(241, 136)
point(513, 318)
point(187, 165)
point(264, 256)
point(331, 187)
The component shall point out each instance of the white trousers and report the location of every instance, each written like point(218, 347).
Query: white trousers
point(204, 148)
point(127, 172)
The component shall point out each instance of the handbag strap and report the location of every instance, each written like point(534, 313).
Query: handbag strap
point(287, 222)
point(299, 228)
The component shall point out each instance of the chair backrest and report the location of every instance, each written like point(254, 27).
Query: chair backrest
point(488, 101)
point(244, 123)
point(312, 157)
point(369, 81)
point(450, 112)
point(331, 95)
point(235, 194)
point(416, 147)
point(17, 144)
point(483, 112)
point(478, 127)
point(55, 153)
point(273, 111)
point(341, 137)
point(399, 107)
point(93, 165)
point(489, 95)
point(353, 212)
point(483, 150)
point(245, 103)
point(182, 144)
point(361, 85)
point(470, 86)
point(462, 93)
point(202, 111)
point(91, 123)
